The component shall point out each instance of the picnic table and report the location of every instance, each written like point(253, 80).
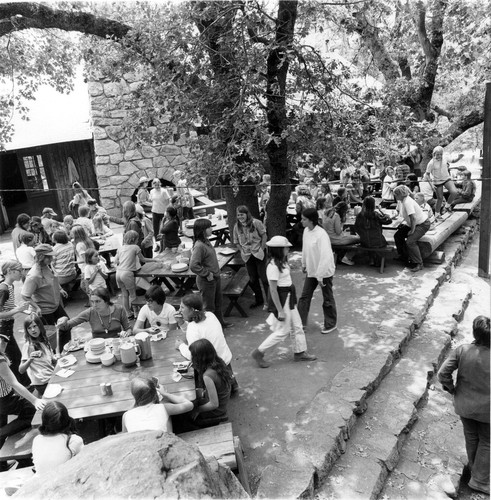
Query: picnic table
point(81, 392)
point(393, 226)
point(179, 282)
point(108, 247)
point(219, 226)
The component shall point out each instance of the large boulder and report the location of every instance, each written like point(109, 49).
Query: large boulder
point(149, 464)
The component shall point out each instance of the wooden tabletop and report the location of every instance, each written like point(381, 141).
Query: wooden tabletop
point(81, 391)
point(167, 258)
point(110, 244)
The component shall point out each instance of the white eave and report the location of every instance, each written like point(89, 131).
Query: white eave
point(53, 118)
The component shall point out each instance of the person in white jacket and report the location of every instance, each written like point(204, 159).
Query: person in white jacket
point(318, 264)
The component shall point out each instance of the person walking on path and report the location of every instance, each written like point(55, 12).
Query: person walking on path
point(471, 399)
point(318, 263)
point(284, 319)
point(416, 224)
point(250, 237)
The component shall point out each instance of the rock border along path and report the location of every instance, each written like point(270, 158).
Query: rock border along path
point(323, 428)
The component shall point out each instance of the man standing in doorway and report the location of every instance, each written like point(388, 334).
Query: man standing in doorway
point(318, 263)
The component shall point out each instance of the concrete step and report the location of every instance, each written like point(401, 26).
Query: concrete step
point(433, 456)
point(322, 429)
point(375, 443)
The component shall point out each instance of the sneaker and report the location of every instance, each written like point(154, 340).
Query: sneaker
point(304, 356)
point(347, 261)
point(329, 330)
point(256, 304)
point(416, 268)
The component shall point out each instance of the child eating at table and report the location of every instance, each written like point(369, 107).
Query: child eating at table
point(127, 261)
point(38, 358)
point(156, 313)
point(95, 270)
point(58, 441)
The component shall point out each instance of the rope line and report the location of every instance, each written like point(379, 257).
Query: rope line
point(115, 188)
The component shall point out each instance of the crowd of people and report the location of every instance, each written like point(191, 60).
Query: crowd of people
point(53, 256)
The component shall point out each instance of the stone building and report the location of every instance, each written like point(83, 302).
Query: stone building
point(118, 166)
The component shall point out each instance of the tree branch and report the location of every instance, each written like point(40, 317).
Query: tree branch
point(24, 15)
point(370, 37)
point(442, 112)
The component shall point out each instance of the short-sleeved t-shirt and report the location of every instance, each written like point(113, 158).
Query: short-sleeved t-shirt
point(283, 278)
point(99, 281)
point(41, 369)
point(166, 316)
point(409, 207)
point(42, 287)
point(128, 258)
point(151, 417)
point(48, 452)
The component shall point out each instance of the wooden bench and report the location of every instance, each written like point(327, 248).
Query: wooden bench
point(234, 289)
point(468, 207)
point(220, 443)
point(236, 263)
point(381, 252)
point(18, 446)
point(440, 231)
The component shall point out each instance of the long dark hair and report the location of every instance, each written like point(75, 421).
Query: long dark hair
point(277, 255)
point(80, 236)
point(195, 302)
point(56, 420)
point(199, 230)
point(243, 209)
point(43, 337)
point(204, 357)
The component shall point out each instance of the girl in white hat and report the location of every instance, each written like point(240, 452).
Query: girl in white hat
point(284, 315)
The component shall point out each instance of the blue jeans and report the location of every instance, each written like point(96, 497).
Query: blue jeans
point(256, 269)
point(477, 445)
point(211, 293)
point(407, 244)
point(328, 302)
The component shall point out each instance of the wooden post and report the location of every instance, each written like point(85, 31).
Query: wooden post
point(485, 225)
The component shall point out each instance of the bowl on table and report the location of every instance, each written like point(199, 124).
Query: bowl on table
point(107, 359)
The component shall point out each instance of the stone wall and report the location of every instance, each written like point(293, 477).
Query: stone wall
point(118, 166)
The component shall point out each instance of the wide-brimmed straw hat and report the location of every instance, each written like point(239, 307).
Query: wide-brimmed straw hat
point(278, 241)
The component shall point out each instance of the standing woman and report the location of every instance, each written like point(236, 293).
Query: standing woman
point(250, 237)
point(169, 230)
point(11, 272)
point(204, 264)
point(437, 169)
point(471, 399)
point(388, 185)
point(284, 315)
point(130, 220)
point(80, 199)
point(160, 201)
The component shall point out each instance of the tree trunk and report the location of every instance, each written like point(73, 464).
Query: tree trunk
point(277, 148)
point(246, 195)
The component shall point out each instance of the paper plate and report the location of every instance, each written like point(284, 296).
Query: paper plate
point(52, 391)
point(227, 251)
point(92, 358)
point(179, 268)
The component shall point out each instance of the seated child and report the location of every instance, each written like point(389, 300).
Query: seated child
point(25, 252)
point(58, 441)
point(95, 271)
point(156, 312)
point(421, 201)
point(466, 192)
